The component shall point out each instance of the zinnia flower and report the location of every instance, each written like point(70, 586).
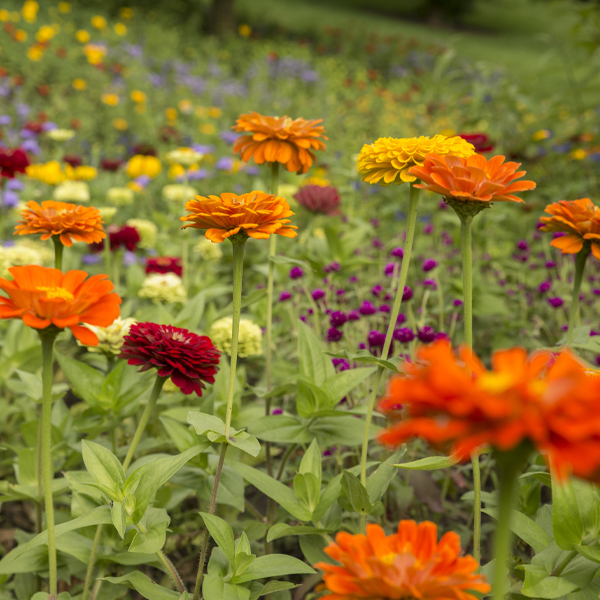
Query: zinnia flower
point(249, 337)
point(111, 338)
point(12, 161)
point(163, 287)
point(189, 360)
point(472, 179)
point(579, 219)
point(164, 264)
point(258, 214)
point(480, 141)
point(408, 564)
point(142, 164)
point(387, 160)
point(456, 404)
point(291, 142)
point(72, 223)
point(319, 199)
point(44, 297)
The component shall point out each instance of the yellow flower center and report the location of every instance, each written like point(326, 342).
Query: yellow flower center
point(388, 559)
point(57, 292)
point(495, 383)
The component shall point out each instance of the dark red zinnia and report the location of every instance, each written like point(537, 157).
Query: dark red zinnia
point(110, 164)
point(164, 264)
point(12, 160)
point(120, 237)
point(319, 199)
point(481, 141)
point(190, 360)
point(73, 159)
point(144, 149)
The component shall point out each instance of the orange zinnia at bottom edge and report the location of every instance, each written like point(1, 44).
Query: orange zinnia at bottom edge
point(408, 564)
point(42, 297)
point(458, 405)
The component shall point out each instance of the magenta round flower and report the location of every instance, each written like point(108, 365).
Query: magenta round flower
point(319, 199)
point(189, 360)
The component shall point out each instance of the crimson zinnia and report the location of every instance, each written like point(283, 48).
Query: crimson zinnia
point(189, 360)
point(320, 199)
point(12, 160)
point(164, 264)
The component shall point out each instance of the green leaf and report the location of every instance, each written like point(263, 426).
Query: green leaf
point(117, 511)
point(145, 586)
point(328, 497)
point(214, 588)
point(311, 461)
point(312, 547)
point(162, 470)
point(87, 382)
point(590, 552)
point(180, 435)
point(32, 384)
point(430, 463)
point(355, 493)
point(277, 586)
point(379, 480)
point(341, 384)
point(104, 467)
point(204, 423)
point(45, 596)
point(222, 533)
point(273, 565)
point(311, 398)
point(280, 530)
point(345, 430)
point(313, 363)
point(155, 521)
point(280, 429)
point(527, 529)
point(245, 442)
point(308, 490)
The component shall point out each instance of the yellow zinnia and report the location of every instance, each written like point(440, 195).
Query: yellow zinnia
point(143, 165)
point(387, 158)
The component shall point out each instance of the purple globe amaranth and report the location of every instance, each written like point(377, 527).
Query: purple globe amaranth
point(377, 243)
point(550, 264)
point(376, 290)
point(296, 272)
point(341, 364)
point(317, 294)
point(384, 308)
point(407, 294)
point(285, 295)
point(353, 279)
point(556, 302)
point(400, 319)
point(332, 267)
point(430, 283)
point(544, 286)
point(522, 245)
point(353, 315)
point(441, 336)
point(397, 253)
point(334, 335)
point(376, 339)
point(277, 411)
point(337, 318)
point(429, 265)
point(457, 302)
point(426, 334)
point(388, 270)
point(404, 335)
point(367, 309)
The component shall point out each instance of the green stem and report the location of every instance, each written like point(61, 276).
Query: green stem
point(579, 268)
point(440, 295)
point(238, 270)
point(408, 244)
point(48, 338)
point(466, 246)
point(58, 252)
point(107, 259)
point(90, 569)
point(137, 436)
point(315, 310)
point(284, 460)
point(476, 507)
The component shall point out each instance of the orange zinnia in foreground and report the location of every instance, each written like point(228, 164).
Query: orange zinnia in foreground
point(456, 404)
point(472, 179)
point(43, 297)
point(291, 142)
point(408, 564)
point(71, 222)
point(257, 214)
point(579, 220)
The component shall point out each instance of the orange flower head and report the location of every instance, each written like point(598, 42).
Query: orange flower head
point(456, 404)
point(408, 564)
point(43, 297)
point(257, 214)
point(291, 142)
point(73, 223)
point(579, 220)
point(471, 180)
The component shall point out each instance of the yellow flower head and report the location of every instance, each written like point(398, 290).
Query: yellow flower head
point(126, 13)
point(245, 30)
point(120, 124)
point(120, 29)
point(20, 35)
point(79, 84)
point(171, 113)
point(81, 173)
point(30, 10)
point(138, 96)
point(83, 37)
point(143, 165)
point(49, 172)
point(387, 158)
point(64, 7)
point(542, 134)
point(110, 99)
point(185, 106)
point(35, 53)
point(45, 33)
point(98, 22)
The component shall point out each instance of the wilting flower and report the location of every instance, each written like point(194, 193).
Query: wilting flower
point(186, 157)
point(120, 196)
point(249, 337)
point(319, 199)
point(111, 338)
point(147, 231)
point(208, 251)
point(579, 220)
point(178, 192)
point(72, 223)
point(408, 564)
point(189, 360)
point(42, 297)
point(480, 141)
point(142, 164)
point(473, 179)
point(387, 160)
point(166, 287)
point(72, 191)
point(12, 161)
point(291, 142)
point(164, 264)
point(456, 404)
point(258, 214)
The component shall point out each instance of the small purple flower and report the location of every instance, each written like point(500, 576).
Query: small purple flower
point(429, 265)
point(277, 411)
point(353, 315)
point(430, 283)
point(404, 335)
point(558, 234)
point(426, 334)
point(388, 271)
point(367, 309)
point(376, 290)
point(318, 293)
point(428, 229)
point(225, 163)
point(334, 335)
point(337, 318)
point(397, 253)
point(375, 222)
point(285, 295)
point(353, 279)
point(457, 302)
point(362, 346)
point(598, 360)
point(377, 243)
point(407, 294)
point(441, 336)
point(296, 272)
point(340, 292)
point(550, 264)
point(341, 364)
point(334, 266)
point(596, 292)
point(401, 319)
point(544, 286)
point(376, 339)
point(91, 259)
point(522, 245)
point(384, 308)
point(302, 318)
point(556, 302)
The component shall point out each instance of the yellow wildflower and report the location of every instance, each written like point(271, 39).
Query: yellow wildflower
point(578, 154)
point(4, 15)
point(35, 53)
point(245, 30)
point(94, 53)
point(138, 96)
point(207, 129)
point(79, 84)
point(110, 99)
point(49, 172)
point(126, 13)
point(20, 35)
point(215, 112)
point(64, 7)
point(98, 22)
point(185, 106)
point(82, 36)
point(171, 113)
point(81, 173)
point(45, 33)
point(120, 29)
point(120, 124)
point(30, 10)
point(542, 134)
point(143, 165)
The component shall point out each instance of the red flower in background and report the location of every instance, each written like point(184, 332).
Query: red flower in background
point(34, 126)
point(324, 200)
point(481, 141)
point(73, 160)
point(110, 164)
point(190, 360)
point(120, 237)
point(12, 160)
point(144, 150)
point(164, 264)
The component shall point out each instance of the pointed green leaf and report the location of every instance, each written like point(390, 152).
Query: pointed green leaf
point(222, 533)
point(274, 565)
point(117, 511)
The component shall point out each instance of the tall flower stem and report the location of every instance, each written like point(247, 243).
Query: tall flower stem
point(238, 242)
point(580, 261)
point(58, 252)
point(408, 244)
point(48, 338)
point(137, 436)
point(107, 256)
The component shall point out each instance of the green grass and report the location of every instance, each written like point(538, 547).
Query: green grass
point(529, 38)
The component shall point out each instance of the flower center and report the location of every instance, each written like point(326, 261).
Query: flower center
point(495, 383)
point(388, 559)
point(57, 292)
point(179, 337)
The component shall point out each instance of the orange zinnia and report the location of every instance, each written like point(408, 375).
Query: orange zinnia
point(290, 142)
point(408, 564)
point(70, 222)
point(579, 220)
point(257, 214)
point(472, 179)
point(456, 404)
point(43, 297)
